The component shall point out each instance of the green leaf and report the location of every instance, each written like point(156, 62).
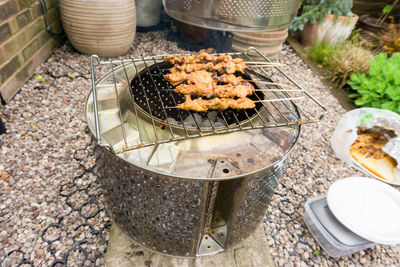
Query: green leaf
point(380, 88)
point(40, 78)
point(387, 9)
point(316, 253)
point(389, 105)
point(353, 95)
point(71, 75)
point(393, 92)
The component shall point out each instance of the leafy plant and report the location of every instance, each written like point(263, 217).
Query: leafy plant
point(317, 10)
point(381, 87)
point(341, 60)
point(391, 39)
point(322, 54)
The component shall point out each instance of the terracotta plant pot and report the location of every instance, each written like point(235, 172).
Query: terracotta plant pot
point(329, 32)
point(103, 27)
point(269, 43)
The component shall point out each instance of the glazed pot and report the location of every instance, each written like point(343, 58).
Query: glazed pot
point(330, 31)
point(103, 27)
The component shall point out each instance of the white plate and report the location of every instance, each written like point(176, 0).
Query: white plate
point(367, 207)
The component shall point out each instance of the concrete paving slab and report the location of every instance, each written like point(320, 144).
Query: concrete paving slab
point(123, 252)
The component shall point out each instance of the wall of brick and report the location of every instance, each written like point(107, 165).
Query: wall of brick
point(24, 41)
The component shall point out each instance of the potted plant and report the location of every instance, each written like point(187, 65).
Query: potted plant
point(325, 21)
point(377, 25)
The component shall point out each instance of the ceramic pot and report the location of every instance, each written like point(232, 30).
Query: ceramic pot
point(330, 31)
point(103, 27)
point(269, 43)
point(147, 12)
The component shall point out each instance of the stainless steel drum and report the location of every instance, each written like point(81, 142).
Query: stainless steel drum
point(234, 15)
point(194, 192)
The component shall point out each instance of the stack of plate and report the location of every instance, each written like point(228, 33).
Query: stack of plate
point(356, 214)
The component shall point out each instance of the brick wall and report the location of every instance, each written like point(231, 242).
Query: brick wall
point(24, 41)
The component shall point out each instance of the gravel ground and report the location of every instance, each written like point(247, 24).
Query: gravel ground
point(50, 205)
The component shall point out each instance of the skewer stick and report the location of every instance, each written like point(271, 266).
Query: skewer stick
point(263, 101)
point(257, 90)
point(278, 99)
point(263, 63)
point(279, 90)
point(270, 83)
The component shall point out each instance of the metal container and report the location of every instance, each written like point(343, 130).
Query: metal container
point(181, 195)
point(234, 15)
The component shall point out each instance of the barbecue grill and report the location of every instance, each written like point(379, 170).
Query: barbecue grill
point(184, 183)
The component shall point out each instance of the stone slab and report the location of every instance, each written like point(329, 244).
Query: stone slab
point(122, 252)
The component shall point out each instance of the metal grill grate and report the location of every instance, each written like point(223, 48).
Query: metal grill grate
point(279, 104)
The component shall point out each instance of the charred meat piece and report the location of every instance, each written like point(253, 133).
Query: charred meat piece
point(201, 105)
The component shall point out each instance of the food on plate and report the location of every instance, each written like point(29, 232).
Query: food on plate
point(202, 105)
point(367, 151)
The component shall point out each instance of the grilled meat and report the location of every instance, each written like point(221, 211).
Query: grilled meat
point(205, 61)
point(200, 58)
point(229, 78)
point(201, 105)
point(200, 76)
point(230, 91)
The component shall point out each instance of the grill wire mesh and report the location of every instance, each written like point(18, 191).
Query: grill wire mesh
point(278, 104)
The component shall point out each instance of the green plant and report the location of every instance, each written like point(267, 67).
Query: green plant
point(381, 87)
point(317, 10)
point(386, 11)
point(391, 39)
point(321, 54)
point(341, 60)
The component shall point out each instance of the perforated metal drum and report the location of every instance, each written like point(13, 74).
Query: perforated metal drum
point(234, 15)
point(190, 191)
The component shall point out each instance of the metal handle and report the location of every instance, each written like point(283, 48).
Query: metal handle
point(290, 79)
point(95, 109)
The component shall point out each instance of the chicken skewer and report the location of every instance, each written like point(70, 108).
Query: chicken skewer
point(201, 105)
point(223, 91)
point(207, 58)
point(176, 78)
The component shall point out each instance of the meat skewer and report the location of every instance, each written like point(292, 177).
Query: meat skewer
point(228, 67)
point(201, 105)
point(200, 58)
point(223, 91)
